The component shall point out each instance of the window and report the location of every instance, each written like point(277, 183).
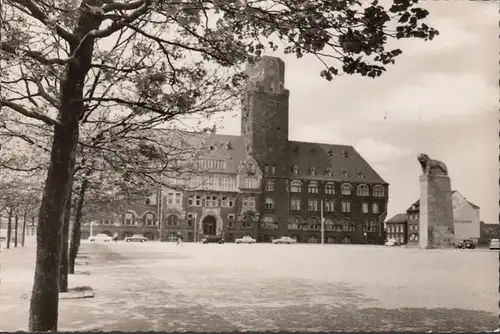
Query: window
point(330, 188)
point(269, 185)
point(147, 201)
point(296, 187)
point(248, 203)
point(313, 205)
point(295, 204)
point(378, 191)
point(375, 208)
point(190, 219)
point(149, 219)
point(129, 218)
point(269, 203)
point(370, 226)
point(312, 171)
point(329, 205)
point(227, 201)
point(230, 217)
point(294, 223)
point(210, 201)
point(295, 170)
point(347, 225)
point(365, 207)
point(266, 169)
point(224, 201)
point(329, 226)
point(314, 223)
point(328, 172)
point(346, 189)
point(363, 190)
point(345, 154)
point(224, 183)
point(343, 173)
point(411, 227)
point(191, 200)
point(230, 202)
point(313, 187)
point(197, 201)
point(170, 198)
point(178, 198)
point(269, 223)
point(273, 170)
point(360, 174)
point(173, 220)
point(250, 182)
point(346, 206)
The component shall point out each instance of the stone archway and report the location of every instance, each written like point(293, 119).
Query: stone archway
point(209, 225)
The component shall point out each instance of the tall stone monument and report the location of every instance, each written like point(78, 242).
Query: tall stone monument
point(436, 208)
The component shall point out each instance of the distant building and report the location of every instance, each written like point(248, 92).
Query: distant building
point(465, 217)
point(488, 232)
point(396, 228)
point(265, 185)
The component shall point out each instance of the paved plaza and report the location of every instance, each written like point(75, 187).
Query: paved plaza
point(265, 287)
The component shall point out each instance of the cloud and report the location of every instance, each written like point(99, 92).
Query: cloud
point(321, 133)
point(433, 97)
point(377, 151)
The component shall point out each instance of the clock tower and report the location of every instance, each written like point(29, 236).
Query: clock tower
point(264, 127)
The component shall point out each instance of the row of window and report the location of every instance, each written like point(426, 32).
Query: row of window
point(395, 228)
point(329, 205)
point(329, 188)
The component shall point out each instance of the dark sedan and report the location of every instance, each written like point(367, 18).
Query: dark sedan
point(212, 239)
point(136, 238)
point(466, 244)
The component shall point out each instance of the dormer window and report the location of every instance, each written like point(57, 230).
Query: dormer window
point(329, 172)
point(345, 154)
point(250, 168)
point(229, 145)
point(330, 153)
point(312, 171)
point(295, 170)
point(360, 174)
point(212, 148)
point(296, 150)
point(343, 173)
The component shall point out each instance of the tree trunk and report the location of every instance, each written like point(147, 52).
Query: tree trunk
point(77, 224)
point(44, 305)
point(24, 227)
point(9, 228)
point(63, 274)
point(16, 225)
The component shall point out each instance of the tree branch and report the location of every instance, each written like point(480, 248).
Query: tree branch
point(29, 113)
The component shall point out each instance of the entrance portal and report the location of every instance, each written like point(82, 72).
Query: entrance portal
point(209, 225)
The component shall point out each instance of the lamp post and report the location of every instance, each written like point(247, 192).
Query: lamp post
point(322, 225)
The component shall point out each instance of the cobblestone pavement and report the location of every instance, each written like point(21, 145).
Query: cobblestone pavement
point(161, 287)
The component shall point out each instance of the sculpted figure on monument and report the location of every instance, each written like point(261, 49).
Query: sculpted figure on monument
point(431, 166)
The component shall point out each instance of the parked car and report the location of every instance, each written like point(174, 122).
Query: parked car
point(284, 240)
point(100, 237)
point(136, 238)
point(392, 242)
point(495, 244)
point(245, 240)
point(466, 244)
point(212, 239)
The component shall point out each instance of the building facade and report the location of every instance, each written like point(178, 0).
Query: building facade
point(264, 185)
point(396, 228)
point(466, 219)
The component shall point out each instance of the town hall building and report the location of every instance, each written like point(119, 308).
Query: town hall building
point(262, 184)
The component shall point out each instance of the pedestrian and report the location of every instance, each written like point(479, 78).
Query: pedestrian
point(179, 239)
point(115, 237)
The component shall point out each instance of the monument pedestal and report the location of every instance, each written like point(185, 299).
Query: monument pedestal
point(436, 229)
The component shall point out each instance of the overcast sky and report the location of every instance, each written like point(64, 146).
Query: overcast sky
point(440, 98)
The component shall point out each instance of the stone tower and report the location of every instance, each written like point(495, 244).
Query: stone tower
point(264, 127)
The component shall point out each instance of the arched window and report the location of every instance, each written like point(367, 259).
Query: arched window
point(129, 218)
point(149, 219)
point(370, 226)
point(269, 203)
point(295, 170)
point(347, 224)
point(378, 191)
point(296, 186)
point(330, 188)
point(346, 189)
point(294, 223)
point(328, 172)
point(313, 187)
point(363, 190)
point(173, 220)
point(329, 224)
point(314, 223)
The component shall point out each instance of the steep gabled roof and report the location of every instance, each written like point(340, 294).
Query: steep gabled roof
point(339, 158)
point(399, 218)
